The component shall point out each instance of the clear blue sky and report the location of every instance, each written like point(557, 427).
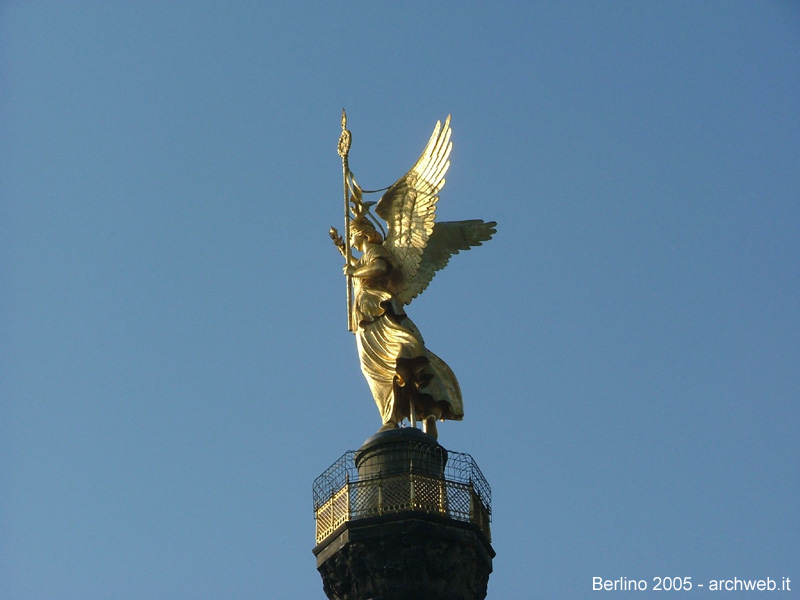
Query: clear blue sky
point(175, 368)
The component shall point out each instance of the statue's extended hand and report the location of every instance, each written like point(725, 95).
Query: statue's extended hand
point(337, 240)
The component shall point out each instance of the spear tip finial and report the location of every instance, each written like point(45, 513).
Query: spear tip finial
point(344, 138)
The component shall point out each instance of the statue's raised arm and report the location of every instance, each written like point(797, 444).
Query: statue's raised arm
point(407, 380)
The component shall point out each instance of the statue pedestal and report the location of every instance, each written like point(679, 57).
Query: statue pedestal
point(411, 530)
point(401, 450)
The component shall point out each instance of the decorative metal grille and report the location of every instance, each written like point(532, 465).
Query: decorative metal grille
point(461, 493)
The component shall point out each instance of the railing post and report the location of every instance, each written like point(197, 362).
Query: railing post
point(347, 492)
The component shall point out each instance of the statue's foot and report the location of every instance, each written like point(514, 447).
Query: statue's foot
point(388, 427)
point(429, 427)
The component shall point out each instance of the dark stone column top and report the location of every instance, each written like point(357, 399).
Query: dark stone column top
point(402, 519)
point(407, 434)
point(407, 556)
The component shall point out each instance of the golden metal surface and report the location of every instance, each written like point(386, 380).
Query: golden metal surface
point(401, 493)
point(344, 150)
point(406, 379)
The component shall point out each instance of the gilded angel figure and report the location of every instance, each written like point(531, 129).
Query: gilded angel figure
point(406, 379)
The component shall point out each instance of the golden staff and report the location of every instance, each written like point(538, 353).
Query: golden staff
point(344, 150)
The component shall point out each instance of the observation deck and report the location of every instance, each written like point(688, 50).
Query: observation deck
point(419, 477)
point(403, 518)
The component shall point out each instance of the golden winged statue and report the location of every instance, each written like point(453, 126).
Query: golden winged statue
point(407, 380)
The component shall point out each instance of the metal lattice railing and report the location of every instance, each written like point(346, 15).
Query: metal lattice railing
point(461, 493)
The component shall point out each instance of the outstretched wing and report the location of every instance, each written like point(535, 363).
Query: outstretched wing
point(409, 206)
point(448, 238)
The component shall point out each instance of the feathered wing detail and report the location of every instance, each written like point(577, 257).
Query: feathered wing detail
point(448, 238)
point(409, 206)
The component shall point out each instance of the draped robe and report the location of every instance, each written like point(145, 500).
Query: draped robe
point(394, 360)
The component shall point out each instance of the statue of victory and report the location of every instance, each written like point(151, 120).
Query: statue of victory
point(407, 380)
